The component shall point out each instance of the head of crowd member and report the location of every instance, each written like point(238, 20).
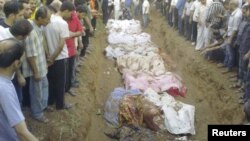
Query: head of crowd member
point(2, 2)
point(72, 1)
point(248, 1)
point(81, 12)
point(79, 2)
point(48, 2)
point(11, 56)
point(248, 13)
point(66, 10)
point(13, 11)
point(21, 29)
point(56, 4)
point(244, 11)
point(42, 17)
point(226, 5)
point(26, 8)
point(233, 4)
point(203, 2)
point(32, 5)
point(52, 9)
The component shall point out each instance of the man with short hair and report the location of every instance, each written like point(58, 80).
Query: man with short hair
point(76, 30)
point(26, 8)
point(57, 32)
point(35, 65)
point(20, 30)
point(25, 90)
point(13, 12)
point(12, 122)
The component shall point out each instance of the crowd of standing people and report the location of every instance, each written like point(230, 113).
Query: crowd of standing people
point(42, 46)
point(219, 30)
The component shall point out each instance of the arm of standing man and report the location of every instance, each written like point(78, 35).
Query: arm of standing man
point(23, 133)
point(31, 53)
point(89, 24)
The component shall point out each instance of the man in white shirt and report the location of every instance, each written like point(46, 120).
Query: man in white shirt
point(56, 33)
point(145, 12)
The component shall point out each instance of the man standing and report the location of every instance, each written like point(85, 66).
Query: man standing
point(233, 25)
point(14, 12)
point(25, 90)
point(35, 65)
point(105, 12)
point(194, 20)
point(12, 122)
point(56, 33)
point(180, 7)
point(117, 7)
point(76, 30)
point(145, 12)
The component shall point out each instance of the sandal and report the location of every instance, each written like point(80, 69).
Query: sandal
point(225, 71)
point(235, 85)
point(220, 65)
point(233, 79)
point(43, 119)
point(232, 75)
point(49, 109)
point(241, 101)
point(241, 90)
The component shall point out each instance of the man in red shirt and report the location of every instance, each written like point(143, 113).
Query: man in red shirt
point(76, 30)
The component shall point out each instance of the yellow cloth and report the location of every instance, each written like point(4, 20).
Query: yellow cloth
point(32, 17)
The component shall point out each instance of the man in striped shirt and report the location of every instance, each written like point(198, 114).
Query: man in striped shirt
point(215, 9)
point(35, 65)
point(213, 19)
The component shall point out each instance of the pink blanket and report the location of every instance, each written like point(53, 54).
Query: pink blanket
point(168, 82)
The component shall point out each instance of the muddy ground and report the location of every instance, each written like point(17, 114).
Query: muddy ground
point(208, 90)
